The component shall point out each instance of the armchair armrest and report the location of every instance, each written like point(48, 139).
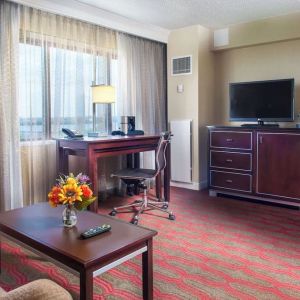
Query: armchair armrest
point(42, 289)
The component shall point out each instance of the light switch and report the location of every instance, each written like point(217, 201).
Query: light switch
point(180, 88)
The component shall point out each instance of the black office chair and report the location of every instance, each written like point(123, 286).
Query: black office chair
point(140, 176)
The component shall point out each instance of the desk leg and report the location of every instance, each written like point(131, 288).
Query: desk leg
point(136, 161)
point(167, 175)
point(158, 186)
point(86, 285)
point(136, 158)
point(0, 253)
point(62, 161)
point(133, 161)
point(92, 166)
point(129, 161)
point(158, 182)
point(148, 272)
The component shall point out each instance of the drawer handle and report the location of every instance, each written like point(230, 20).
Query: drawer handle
point(229, 160)
point(228, 180)
point(229, 140)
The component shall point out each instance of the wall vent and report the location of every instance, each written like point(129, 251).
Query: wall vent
point(182, 65)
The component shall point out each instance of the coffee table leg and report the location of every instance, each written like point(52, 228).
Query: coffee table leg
point(148, 272)
point(86, 285)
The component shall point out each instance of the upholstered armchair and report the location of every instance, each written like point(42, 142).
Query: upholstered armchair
point(42, 289)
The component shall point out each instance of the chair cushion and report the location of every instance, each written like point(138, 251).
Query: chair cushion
point(41, 289)
point(2, 292)
point(135, 173)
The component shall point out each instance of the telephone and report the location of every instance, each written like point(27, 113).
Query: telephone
point(73, 134)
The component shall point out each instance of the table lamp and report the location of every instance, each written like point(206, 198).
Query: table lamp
point(103, 94)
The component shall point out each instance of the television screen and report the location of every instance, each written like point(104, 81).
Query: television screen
point(271, 100)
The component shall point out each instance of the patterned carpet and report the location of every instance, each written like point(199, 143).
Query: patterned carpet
point(216, 249)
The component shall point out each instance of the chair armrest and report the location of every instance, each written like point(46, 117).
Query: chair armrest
point(42, 289)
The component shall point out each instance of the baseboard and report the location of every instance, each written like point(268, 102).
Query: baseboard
point(191, 186)
point(203, 185)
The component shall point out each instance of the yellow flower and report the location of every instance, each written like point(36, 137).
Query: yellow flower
point(70, 193)
point(71, 180)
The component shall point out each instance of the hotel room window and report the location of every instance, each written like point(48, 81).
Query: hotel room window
point(31, 78)
point(55, 90)
point(71, 74)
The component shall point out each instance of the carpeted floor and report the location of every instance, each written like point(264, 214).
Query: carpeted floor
point(216, 249)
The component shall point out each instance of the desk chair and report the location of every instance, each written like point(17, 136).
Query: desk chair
point(139, 176)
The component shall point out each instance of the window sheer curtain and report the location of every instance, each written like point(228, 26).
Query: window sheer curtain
point(48, 63)
point(10, 169)
point(142, 85)
point(60, 58)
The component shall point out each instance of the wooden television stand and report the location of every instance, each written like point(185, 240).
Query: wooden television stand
point(258, 163)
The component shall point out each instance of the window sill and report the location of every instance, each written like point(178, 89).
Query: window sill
point(37, 143)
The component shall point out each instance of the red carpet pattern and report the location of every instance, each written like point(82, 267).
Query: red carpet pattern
point(217, 248)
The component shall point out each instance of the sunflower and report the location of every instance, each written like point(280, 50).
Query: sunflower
point(70, 193)
point(71, 180)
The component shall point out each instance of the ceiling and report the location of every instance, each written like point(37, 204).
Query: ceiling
point(173, 14)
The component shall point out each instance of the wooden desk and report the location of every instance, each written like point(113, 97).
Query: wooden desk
point(94, 148)
point(39, 228)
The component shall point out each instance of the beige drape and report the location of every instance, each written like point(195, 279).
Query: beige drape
point(56, 59)
point(142, 84)
point(60, 58)
point(37, 27)
point(10, 168)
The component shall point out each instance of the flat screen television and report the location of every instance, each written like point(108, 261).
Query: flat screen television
point(270, 100)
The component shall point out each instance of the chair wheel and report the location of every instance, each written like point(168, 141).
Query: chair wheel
point(113, 213)
point(171, 217)
point(165, 206)
point(134, 221)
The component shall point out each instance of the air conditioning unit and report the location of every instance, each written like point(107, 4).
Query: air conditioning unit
point(182, 65)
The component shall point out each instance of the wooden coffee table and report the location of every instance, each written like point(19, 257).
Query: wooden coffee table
point(39, 228)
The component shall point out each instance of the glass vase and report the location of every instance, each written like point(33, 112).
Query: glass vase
point(69, 216)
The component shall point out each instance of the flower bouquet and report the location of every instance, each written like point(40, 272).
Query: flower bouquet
point(75, 193)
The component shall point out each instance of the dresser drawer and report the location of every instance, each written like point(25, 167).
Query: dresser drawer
point(231, 139)
point(231, 181)
point(231, 160)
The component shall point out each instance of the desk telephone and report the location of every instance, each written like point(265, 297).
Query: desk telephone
point(73, 134)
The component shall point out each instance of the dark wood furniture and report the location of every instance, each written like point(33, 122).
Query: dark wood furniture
point(94, 148)
point(39, 227)
point(260, 163)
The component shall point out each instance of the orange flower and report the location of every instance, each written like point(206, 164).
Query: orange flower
point(53, 196)
point(71, 190)
point(86, 191)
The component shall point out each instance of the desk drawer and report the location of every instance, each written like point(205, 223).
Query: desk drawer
point(231, 181)
point(231, 160)
point(231, 139)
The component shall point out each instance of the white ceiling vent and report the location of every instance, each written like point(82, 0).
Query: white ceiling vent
point(182, 65)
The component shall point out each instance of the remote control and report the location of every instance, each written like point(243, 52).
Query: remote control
point(95, 231)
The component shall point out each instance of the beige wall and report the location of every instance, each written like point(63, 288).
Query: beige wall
point(263, 62)
point(268, 30)
point(261, 50)
point(206, 98)
point(196, 102)
point(185, 105)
